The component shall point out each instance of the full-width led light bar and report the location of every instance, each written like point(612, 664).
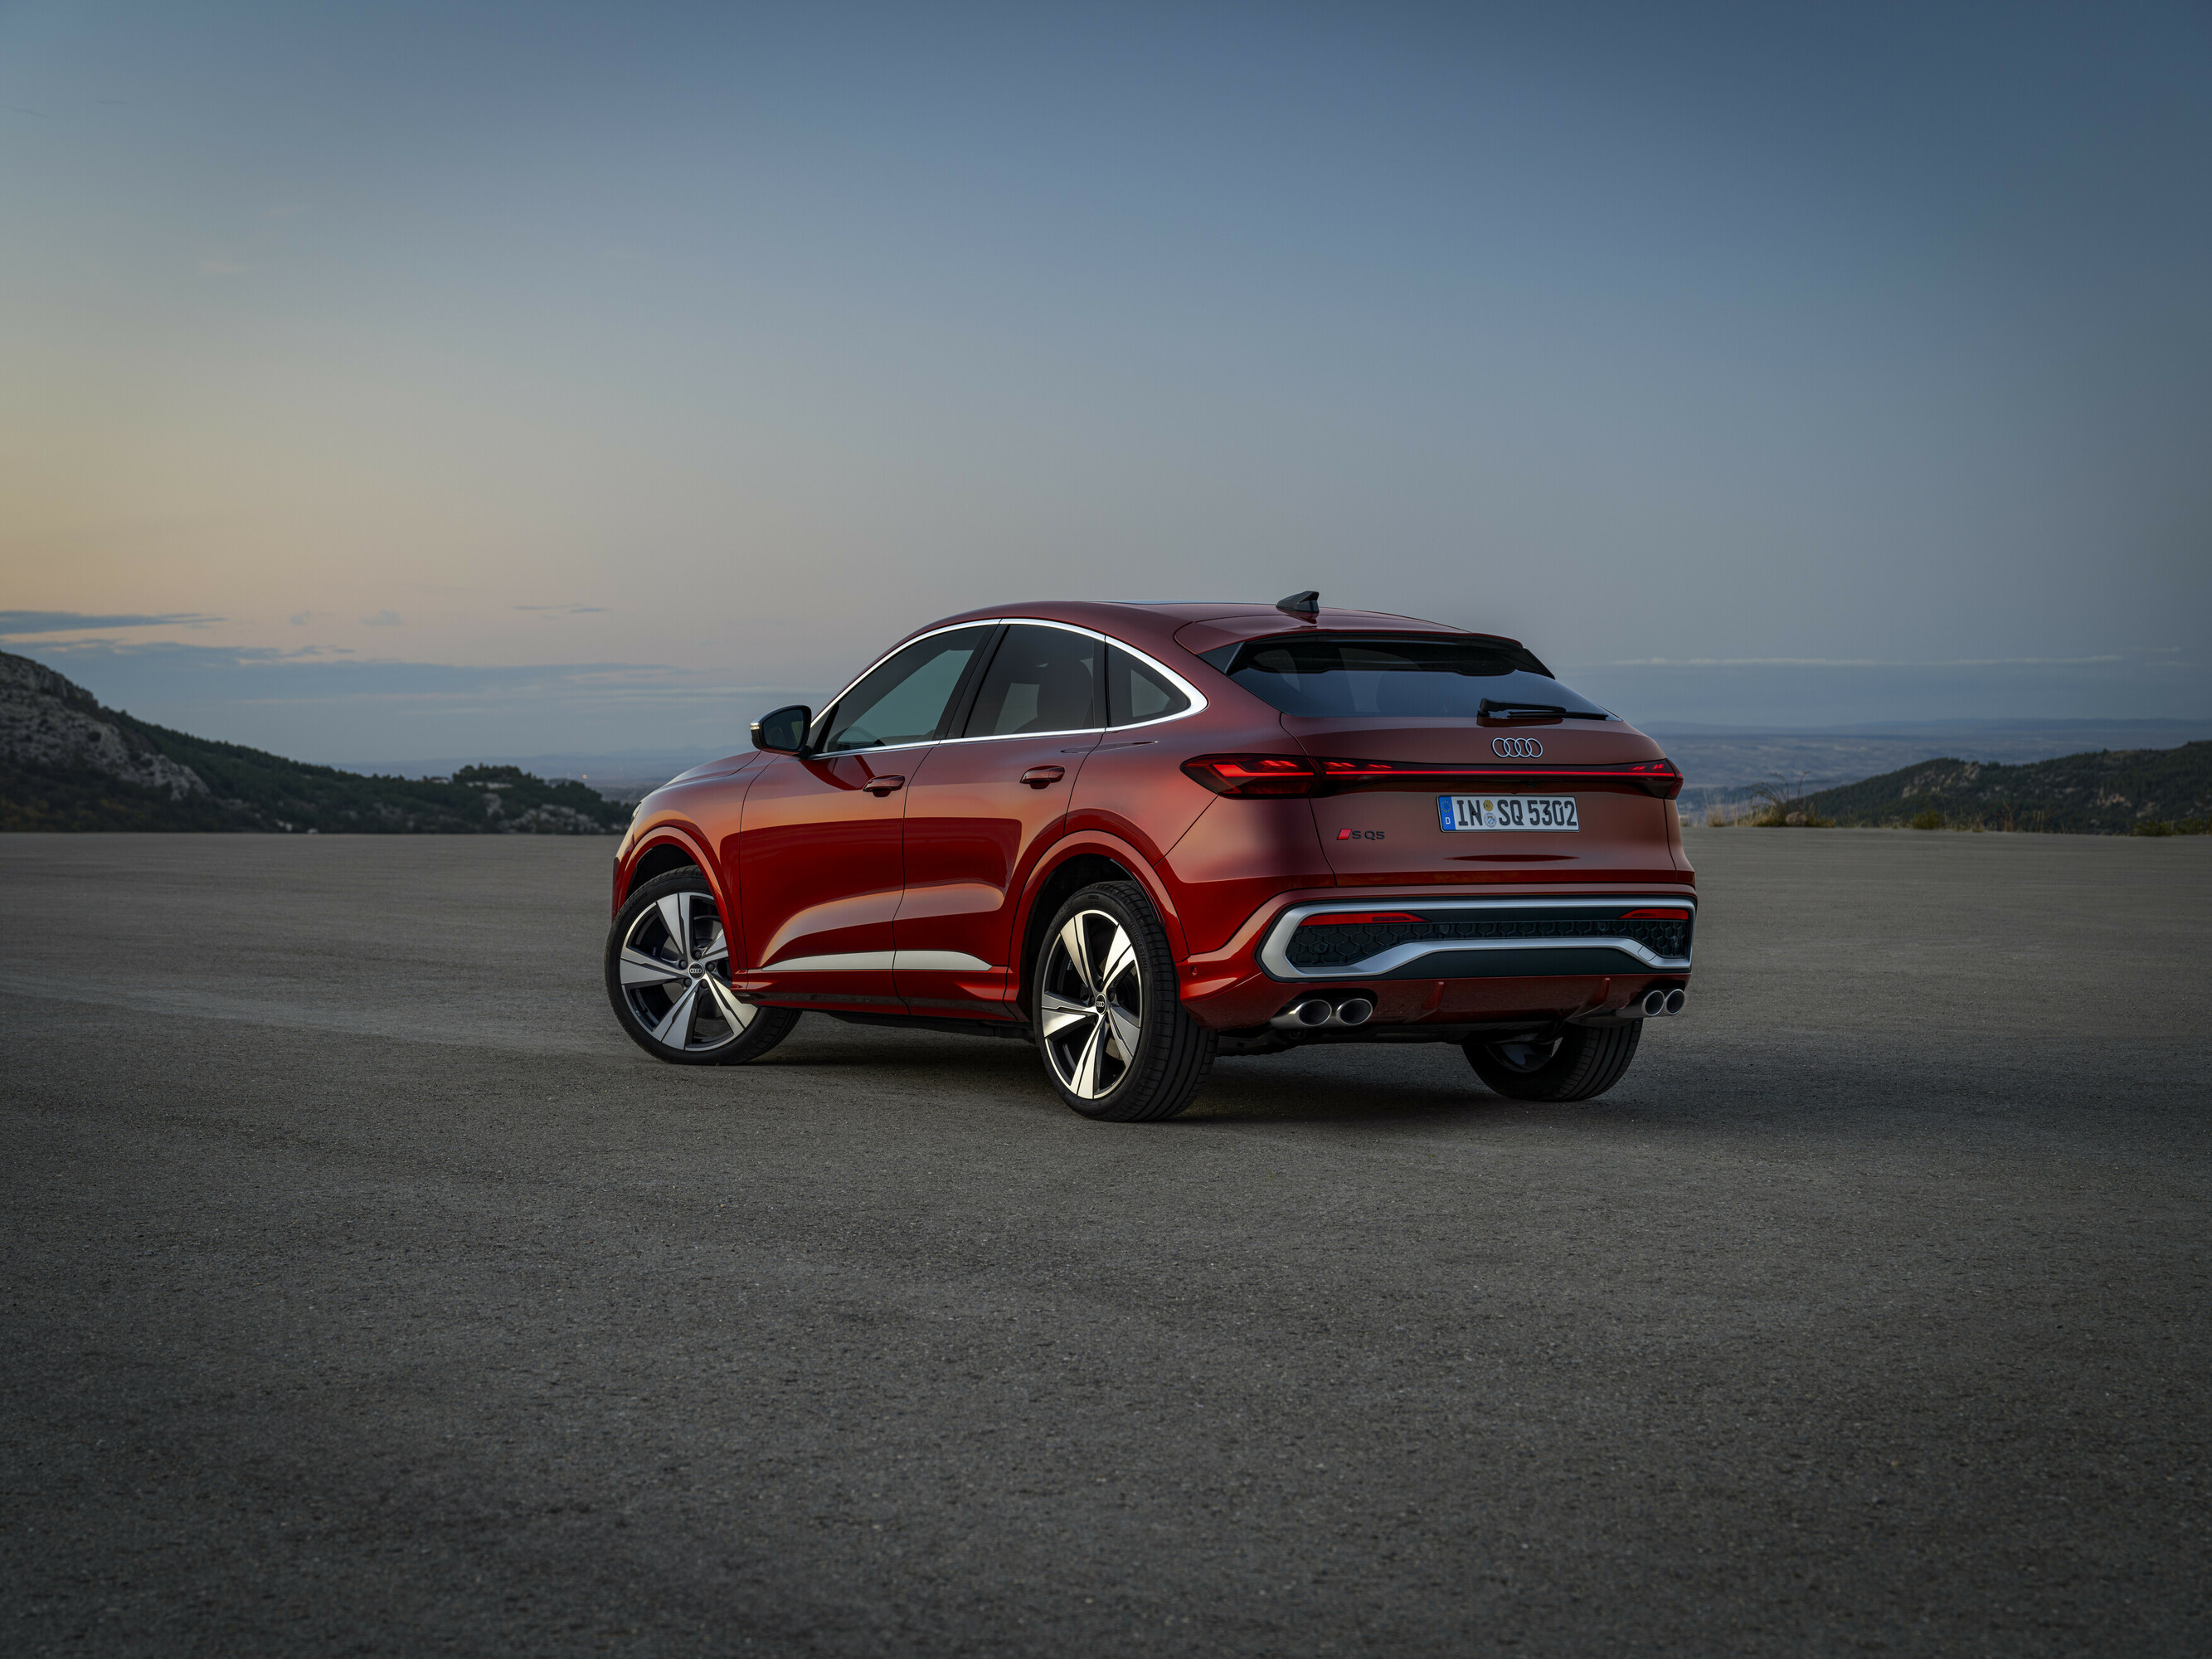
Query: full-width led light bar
point(1251, 776)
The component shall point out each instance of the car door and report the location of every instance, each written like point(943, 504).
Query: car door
point(820, 862)
point(982, 810)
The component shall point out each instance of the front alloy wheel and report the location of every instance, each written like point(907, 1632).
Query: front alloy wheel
point(668, 976)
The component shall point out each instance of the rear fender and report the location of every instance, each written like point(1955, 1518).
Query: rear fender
point(1096, 844)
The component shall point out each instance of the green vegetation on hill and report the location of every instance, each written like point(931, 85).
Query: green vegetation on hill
point(2109, 792)
point(294, 795)
point(67, 764)
point(252, 791)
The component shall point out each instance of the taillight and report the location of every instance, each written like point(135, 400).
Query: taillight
point(1296, 774)
point(1347, 918)
point(1253, 775)
point(1360, 771)
point(1660, 777)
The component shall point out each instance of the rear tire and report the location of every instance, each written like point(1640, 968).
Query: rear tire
point(1582, 1064)
point(1105, 1001)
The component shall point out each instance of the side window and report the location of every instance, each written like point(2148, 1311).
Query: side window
point(1042, 679)
point(1135, 691)
point(909, 697)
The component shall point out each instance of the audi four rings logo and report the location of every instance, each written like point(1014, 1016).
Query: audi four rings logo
point(1516, 748)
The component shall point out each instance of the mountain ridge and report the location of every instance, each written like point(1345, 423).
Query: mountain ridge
point(2105, 791)
point(67, 763)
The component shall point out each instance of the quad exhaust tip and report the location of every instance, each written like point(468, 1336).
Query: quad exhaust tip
point(1318, 1013)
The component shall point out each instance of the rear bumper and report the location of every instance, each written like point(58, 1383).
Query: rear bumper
point(1529, 954)
point(1579, 942)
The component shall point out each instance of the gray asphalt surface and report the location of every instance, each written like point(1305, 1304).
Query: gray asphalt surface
point(364, 1291)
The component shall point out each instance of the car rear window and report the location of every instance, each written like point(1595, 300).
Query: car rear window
point(1328, 676)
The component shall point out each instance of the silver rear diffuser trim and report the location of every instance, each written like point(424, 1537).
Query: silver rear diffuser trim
point(1274, 953)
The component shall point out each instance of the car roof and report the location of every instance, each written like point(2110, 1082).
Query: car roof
point(1199, 626)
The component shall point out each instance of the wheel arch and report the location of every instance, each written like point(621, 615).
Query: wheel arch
point(1075, 864)
point(665, 849)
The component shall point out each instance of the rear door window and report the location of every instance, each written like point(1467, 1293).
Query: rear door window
point(1326, 678)
point(1041, 679)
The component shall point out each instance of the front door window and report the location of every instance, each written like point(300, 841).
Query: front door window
point(907, 698)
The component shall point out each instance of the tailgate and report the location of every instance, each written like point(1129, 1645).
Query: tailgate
point(1392, 830)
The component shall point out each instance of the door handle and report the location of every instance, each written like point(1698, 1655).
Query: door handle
point(881, 787)
point(1038, 776)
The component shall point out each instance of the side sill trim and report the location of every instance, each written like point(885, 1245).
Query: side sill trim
point(880, 962)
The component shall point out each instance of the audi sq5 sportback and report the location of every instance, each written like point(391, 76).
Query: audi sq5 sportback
point(1139, 836)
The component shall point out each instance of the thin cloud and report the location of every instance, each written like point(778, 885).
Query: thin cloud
point(15, 625)
point(569, 610)
point(383, 619)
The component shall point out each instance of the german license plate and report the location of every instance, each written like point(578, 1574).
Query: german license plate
point(1507, 812)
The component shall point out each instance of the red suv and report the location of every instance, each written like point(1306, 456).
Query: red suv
point(1138, 835)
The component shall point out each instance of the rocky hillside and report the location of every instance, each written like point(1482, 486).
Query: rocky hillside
point(67, 763)
point(2113, 791)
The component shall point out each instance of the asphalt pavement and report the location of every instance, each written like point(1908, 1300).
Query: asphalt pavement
point(362, 1291)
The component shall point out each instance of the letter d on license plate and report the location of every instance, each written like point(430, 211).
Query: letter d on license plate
point(1507, 812)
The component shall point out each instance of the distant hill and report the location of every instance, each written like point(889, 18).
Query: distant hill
point(2113, 791)
point(67, 764)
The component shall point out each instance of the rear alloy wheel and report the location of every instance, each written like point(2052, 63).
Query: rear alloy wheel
point(1581, 1064)
point(668, 976)
point(1117, 1043)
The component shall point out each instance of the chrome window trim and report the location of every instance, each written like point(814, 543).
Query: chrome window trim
point(1198, 703)
point(1275, 952)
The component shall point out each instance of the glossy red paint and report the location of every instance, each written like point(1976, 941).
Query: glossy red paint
point(919, 897)
point(979, 816)
point(820, 870)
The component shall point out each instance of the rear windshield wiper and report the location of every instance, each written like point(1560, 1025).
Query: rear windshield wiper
point(1541, 711)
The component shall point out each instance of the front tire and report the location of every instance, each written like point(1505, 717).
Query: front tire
point(1581, 1064)
point(668, 977)
point(1116, 1040)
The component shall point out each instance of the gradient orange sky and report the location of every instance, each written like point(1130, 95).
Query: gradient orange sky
point(718, 346)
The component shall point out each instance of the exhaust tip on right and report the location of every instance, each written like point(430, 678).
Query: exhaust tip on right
point(1675, 998)
point(1355, 1010)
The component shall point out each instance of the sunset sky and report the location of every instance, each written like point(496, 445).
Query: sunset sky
point(391, 381)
